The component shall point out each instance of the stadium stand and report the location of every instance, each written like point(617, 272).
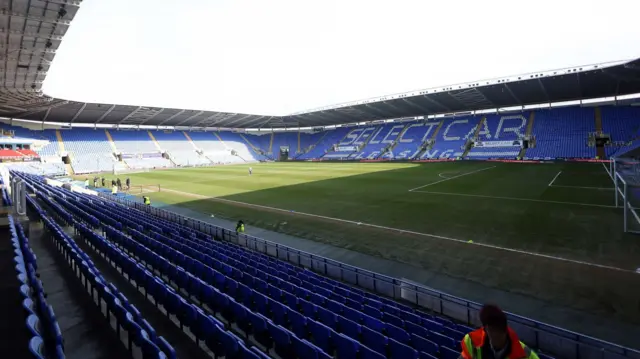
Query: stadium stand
point(563, 133)
point(622, 124)
point(23, 301)
point(180, 149)
point(89, 150)
point(412, 138)
point(238, 302)
point(450, 140)
point(287, 140)
point(325, 143)
point(133, 141)
point(556, 133)
point(237, 144)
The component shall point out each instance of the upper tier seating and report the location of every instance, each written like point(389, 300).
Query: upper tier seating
point(563, 133)
point(133, 141)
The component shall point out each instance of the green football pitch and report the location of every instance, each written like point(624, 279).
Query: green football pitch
point(546, 230)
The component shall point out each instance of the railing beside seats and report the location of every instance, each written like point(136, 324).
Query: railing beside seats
point(548, 338)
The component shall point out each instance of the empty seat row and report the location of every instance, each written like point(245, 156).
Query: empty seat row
point(40, 322)
point(399, 333)
point(122, 316)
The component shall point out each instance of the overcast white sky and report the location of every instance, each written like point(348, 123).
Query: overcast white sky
point(275, 57)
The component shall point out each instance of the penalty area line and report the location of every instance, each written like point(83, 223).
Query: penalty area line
point(450, 178)
point(554, 179)
point(404, 230)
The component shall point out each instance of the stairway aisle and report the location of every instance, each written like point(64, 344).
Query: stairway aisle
point(84, 330)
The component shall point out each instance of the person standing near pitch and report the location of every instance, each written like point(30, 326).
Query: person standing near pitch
point(250, 171)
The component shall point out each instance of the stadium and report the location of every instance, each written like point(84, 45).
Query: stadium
point(374, 229)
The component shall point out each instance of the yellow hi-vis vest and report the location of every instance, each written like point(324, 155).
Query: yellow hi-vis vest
point(147, 201)
point(241, 228)
point(473, 342)
point(114, 189)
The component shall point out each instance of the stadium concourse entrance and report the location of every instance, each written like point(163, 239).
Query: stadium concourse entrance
point(284, 153)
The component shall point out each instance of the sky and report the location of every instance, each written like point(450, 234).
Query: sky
point(278, 57)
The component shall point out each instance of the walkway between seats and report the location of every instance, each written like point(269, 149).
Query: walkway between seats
point(564, 317)
point(86, 334)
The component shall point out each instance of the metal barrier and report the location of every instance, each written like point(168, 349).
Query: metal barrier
point(547, 338)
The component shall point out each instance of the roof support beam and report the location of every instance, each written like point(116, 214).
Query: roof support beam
point(544, 90)
point(415, 105)
point(265, 122)
point(152, 117)
point(190, 118)
point(510, 93)
point(256, 119)
point(172, 117)
point(239, 119)
point(75, 3)
point(36, 18)
point(46, 115)
point(30, 35)
point(106, 113)
point(122, 122)
point(79, 112)
point(380, 112)
point(432, 101)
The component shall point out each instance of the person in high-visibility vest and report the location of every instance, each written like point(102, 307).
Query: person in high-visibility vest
point(147, 200)
point(114, 189)
point(86, 183)
point(495, 340)
point(240, 227)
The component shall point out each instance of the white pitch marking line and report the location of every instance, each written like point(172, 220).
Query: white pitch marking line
point(410, 232)
point(518, 199)
point(554, 178)
point(450, 178)
point(598, 188)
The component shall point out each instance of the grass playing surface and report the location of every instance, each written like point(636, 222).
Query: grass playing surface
point(561, 210)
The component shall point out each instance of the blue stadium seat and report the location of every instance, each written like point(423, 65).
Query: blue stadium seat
point(374, 340)
point(399, 350)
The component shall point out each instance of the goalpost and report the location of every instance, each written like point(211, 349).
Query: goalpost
point(625, 173)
